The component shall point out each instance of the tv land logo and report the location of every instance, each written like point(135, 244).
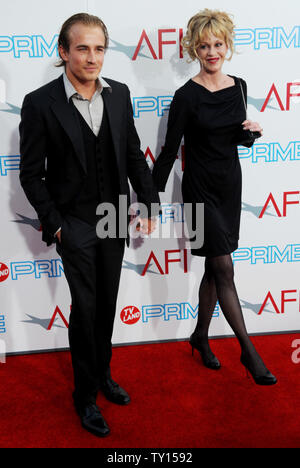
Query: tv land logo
point(4, 272)
point(130, 315)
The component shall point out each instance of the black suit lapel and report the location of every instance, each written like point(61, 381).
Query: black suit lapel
point(67, 115)
point(113, 113)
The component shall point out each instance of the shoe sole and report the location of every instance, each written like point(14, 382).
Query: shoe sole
point(95, 433)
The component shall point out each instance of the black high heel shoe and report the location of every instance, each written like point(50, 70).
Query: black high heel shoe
point(209, 362)
point(266, 379)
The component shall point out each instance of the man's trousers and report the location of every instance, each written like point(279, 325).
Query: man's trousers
point(92, 268)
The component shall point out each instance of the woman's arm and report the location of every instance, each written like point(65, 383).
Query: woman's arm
point(175, 130)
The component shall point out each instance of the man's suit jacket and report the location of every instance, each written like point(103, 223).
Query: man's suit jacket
point(53, 159)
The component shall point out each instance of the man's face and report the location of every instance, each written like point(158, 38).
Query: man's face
point(84, 59)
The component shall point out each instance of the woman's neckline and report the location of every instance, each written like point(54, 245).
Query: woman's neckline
point(218, 90)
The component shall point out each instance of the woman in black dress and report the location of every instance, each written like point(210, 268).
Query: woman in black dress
point(209, 111)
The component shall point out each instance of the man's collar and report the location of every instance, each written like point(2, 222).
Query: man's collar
point(104, 83)
point(71, 91)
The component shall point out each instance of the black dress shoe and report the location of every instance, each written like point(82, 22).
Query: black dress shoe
point(209, 360)
point(114, 393)
point(265, 379)
point(93, 421)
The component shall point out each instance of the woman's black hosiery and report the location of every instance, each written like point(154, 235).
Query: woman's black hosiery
point(222, 272)
point(207, 304)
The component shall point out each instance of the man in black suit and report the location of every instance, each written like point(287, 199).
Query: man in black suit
point(78, 147)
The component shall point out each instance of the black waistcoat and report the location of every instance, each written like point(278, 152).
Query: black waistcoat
point(102, 181)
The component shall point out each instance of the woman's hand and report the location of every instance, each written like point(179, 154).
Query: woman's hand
point(252, 126)
point(147, 226)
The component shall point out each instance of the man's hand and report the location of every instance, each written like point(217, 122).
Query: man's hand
point(146, 225)
point(58, 235)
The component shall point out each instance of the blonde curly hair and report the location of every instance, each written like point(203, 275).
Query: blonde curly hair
point(204, 23)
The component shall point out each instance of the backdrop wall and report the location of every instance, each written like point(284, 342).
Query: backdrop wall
point(159, 285)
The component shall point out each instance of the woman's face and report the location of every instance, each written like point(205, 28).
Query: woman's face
point(212, 52)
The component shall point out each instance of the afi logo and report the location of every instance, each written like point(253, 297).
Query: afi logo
point(291, 295)
point(4, 272)
point(130, 315)
point(292, 91)
point(164, 37)
point(57, 312)
point(170, 256)
point(286, 200)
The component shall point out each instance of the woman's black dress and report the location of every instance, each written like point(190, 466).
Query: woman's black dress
point(209, 122)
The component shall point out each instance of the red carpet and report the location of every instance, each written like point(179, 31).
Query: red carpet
point(176, 402)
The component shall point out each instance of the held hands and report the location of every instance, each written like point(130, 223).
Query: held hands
point(252, 126)
point(146, 225)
